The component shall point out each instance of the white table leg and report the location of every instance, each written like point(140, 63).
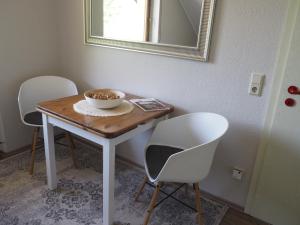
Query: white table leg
point(108, 182)
point(50, 153)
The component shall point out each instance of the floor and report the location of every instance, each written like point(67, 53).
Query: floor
point(235, 217)
point(232, 217)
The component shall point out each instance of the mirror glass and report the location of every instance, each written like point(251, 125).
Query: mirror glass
point(168, 27)
point(171, 22)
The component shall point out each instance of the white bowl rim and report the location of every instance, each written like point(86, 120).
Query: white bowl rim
point(121, 94)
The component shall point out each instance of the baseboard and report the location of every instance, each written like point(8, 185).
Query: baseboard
point(4, 155)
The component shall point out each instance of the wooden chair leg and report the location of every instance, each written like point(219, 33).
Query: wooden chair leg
point(72, 148)
point(141, 188)
point(186, 189)
point(152, 204)
point(200, 218)
point(33, 148)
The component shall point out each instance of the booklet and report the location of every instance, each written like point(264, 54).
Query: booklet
point(149, 104)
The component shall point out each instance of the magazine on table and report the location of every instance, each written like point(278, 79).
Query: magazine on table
point(149, 104)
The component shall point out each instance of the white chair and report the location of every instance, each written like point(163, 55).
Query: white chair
point(181, 150)
point(40, 89)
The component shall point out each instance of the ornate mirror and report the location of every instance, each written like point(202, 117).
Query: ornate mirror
point(178, 28)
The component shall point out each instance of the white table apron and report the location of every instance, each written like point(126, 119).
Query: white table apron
point(108, 156)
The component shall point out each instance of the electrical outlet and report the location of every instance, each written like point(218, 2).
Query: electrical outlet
point(256, 84)
point(237, 174)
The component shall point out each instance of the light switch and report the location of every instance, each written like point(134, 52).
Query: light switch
point(237, 174)
point(256, 84)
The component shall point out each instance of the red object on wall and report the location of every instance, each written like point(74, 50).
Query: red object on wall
point(290, 102)
point(294, 90)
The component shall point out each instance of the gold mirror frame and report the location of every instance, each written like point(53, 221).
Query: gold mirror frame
point(200, 52)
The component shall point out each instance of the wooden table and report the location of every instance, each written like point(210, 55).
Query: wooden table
point(105, 131)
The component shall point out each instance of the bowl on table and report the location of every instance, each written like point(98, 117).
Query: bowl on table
point(104, 98)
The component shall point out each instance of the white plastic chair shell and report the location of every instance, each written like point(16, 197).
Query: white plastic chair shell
point(198, 134)
point(40, 89)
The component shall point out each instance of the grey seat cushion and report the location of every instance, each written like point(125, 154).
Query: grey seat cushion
point(34, 118)
point(157, 156)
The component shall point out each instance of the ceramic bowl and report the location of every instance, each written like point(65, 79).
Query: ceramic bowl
point(104, 103)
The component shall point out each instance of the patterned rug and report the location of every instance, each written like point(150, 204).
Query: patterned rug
point(25, 199)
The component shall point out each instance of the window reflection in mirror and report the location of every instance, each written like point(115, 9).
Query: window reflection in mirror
point(171, 22)
point(124, 19)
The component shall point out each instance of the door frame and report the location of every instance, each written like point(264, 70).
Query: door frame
point(279, 73)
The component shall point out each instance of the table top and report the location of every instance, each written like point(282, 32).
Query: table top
point(108, 127)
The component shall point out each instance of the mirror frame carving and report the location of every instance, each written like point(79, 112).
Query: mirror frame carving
point(200, 52)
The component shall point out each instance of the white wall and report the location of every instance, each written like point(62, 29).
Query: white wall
point(28, 47)
point(245, 39)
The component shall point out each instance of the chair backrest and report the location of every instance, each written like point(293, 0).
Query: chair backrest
point(43, 88)
point(198, 134)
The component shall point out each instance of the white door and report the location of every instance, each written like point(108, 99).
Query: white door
point(276, 193)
